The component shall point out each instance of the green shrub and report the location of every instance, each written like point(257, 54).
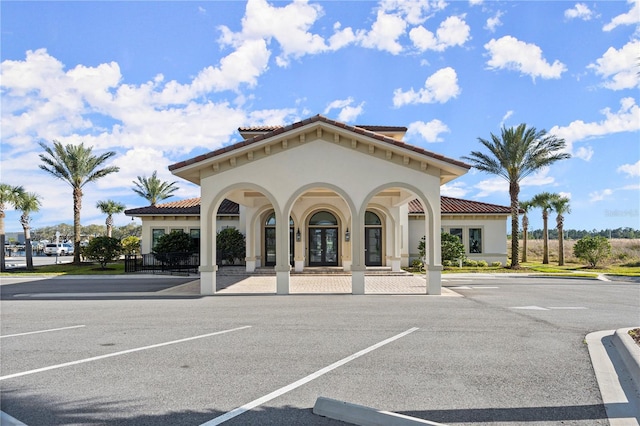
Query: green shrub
point(470, 263)
point(592, 249)
point(174, 248)
point(417, 264)
point(447, 263)
point(496, 264)
point(482, 263)
point(231, 244)
point(130, 245)
point(103, 250)
point(452, 248)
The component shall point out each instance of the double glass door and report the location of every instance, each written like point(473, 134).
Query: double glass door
point(323, 246)
point(270, 246)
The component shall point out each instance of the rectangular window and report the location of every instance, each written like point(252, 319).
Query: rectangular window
point(475, 240)
point(177, 230)
point(155, 236)
point(457, 232)
point(195, 238)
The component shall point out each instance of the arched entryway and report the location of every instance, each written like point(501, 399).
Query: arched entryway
point(373, 242)
point(324, 239)
point(270, 240)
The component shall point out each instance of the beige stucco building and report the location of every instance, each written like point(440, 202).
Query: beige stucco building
point(321, 193)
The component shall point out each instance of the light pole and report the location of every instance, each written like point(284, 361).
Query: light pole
point(57, 243)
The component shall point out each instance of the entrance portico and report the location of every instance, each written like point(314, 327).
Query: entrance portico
point(320, 192)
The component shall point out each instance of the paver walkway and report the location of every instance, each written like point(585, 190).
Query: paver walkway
point(305, 284)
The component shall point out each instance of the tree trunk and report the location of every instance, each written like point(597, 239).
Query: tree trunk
point(2, 241)
point(525, 230)
point(560, 222)
point(109, 223)
point(28, 251)
point(514, 191)
point(545, 238)
point(77, 207)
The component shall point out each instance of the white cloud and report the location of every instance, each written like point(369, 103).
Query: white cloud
point(600, 195)
point(626, 119)
point(494, 22)
point(453, 31)
point(440, 87)
point(512, 54)
point(619, 67)
point(506, 117)
point(341, 37)
point(631, 170)
point(288, 25)
point(584, 153)
point(475, 2)
point(630, 18)
point(413, 11)
point(384, 33)
point(498, 184)
point(454, 189)
point(348, 113)
point(428, 131)
point(580, 11)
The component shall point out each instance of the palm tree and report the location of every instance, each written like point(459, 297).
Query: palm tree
point(561, 206)
point(516, 154)
point(543, 200)
point(525, 206)
point(153, 189)
point(110, 207)
point(28, 202)
point(8, 196)
point(76, 165)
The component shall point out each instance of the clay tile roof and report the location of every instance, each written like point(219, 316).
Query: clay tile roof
point(187, 207)
point(191, 206)
point(369, 131)
point(458, 206)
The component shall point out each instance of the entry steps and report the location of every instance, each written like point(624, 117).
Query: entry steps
point(331, 271)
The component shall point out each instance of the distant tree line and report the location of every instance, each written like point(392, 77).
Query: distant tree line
point(575, 234)
point(87, 232)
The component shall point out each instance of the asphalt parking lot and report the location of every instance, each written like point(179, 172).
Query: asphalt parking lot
point(509, 351)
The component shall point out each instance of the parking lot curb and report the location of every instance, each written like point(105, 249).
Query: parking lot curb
point(629, 352)
point(364, 416)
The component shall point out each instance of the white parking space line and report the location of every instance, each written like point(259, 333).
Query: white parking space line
point(42, 331)
point(484, 287)
point(568, 307)
point(255, 403)
point(128, 351)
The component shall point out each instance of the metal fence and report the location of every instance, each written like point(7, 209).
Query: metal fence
point(166, 263)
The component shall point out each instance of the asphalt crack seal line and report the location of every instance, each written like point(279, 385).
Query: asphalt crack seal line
point(128, 351)
point(257, 402)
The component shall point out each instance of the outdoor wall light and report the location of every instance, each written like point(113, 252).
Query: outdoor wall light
point(347, 235)
point(298, 235)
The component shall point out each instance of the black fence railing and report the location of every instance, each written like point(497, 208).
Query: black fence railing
point(166, 263)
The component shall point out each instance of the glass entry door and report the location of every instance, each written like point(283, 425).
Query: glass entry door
point(373, 246)
point(270, 246)
point(323, 246)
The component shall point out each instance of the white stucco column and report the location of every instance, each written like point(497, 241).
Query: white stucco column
point(208, 266)
point(248, 217)
point(434, 280)
point(395, 239)
point(357, 255)
point(282, 268)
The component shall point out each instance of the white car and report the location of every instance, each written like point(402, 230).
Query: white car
point(60, 249)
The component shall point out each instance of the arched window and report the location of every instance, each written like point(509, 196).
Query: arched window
point(323, 219)
point(370, 218)
point(271, 220)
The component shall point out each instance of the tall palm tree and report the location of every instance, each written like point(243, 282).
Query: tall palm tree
point(153, 189)
point(28, 202)
point(543, 200)
point(517, 153)
point(561, 206)
point(76, 165)
point(110, 207)
point(525, 206)
point(9, 196)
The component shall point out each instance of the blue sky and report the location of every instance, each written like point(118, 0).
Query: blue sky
point(161, 82)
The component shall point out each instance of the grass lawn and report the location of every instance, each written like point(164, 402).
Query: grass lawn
point(86, 268)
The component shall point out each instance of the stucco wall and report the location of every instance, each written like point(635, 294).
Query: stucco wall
point(170, 223)
point(494, 236)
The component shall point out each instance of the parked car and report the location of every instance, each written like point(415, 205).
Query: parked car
point(60, 249)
